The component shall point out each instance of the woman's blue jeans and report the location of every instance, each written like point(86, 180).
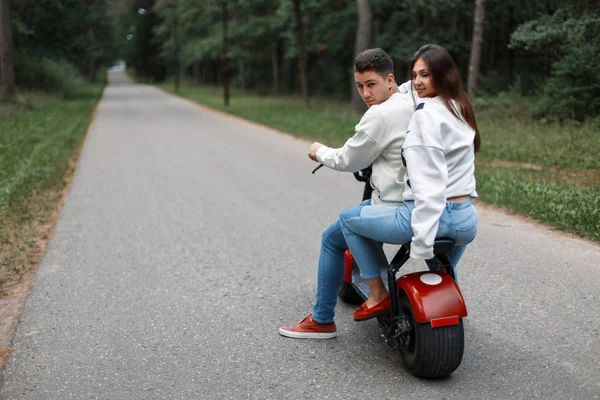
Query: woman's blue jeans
point(330, 273)
point(365, 227)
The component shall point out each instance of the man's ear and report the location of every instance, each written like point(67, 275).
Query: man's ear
point(390, 79)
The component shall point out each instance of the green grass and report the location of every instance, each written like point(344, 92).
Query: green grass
point(538, 168)
point(509, 134)
point(327, 120)
point(544, 198)
point(38, 137)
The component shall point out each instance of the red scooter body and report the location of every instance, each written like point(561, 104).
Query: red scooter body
point(434, 296)
point(427, 308)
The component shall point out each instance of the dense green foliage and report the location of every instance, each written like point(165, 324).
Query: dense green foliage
point(543, 47)
point(569, 43)
point(136, 41)
point(57, 40)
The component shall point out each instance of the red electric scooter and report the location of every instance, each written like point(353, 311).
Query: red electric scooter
point(425, 320)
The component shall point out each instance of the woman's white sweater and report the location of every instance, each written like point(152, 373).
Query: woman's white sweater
point(439, 156)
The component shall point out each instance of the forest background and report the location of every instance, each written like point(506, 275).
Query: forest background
point(531, 68)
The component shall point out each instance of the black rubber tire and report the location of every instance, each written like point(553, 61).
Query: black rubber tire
point(349, 295)
point(431, 353)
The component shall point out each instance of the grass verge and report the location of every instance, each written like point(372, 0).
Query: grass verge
point(541, 169)
point(40, 138)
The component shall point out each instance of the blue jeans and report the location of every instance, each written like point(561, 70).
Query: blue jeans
point(365, 226)
point(330, 273)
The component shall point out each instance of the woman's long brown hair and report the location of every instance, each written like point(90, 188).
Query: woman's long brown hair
point(447, 83)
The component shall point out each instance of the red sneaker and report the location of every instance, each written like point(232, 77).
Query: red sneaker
point(308, 328)
point(364, 312)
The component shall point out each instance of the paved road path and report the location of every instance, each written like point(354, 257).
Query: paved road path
point(188, 237)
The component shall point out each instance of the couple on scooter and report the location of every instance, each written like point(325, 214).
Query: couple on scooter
point(422, 178)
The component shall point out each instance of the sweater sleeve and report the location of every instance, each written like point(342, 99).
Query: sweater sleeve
point(406, 87)
point(360, 150)
point(428, 178)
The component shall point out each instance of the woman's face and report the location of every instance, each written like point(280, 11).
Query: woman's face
point(422, 80)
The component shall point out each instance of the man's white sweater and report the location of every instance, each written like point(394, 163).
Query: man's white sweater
point(378, 140)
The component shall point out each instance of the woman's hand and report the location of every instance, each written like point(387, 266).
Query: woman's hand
point(312, 151)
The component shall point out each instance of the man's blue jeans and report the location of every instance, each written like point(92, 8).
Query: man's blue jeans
point(365, 227)
point(330, 272)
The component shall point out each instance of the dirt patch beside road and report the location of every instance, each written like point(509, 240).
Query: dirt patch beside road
point(26, 231)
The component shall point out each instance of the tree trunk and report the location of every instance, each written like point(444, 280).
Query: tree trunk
point(287, 76)
point(196, 71)
point(176, 73)
point(363, 41)
point(511, 52)
point(92, 67)
point(242, 73)
point(301, 50)
point(476, 45)
point(238, 19)
point(225, 17)
point(274, 60)
point(7, 77)
point(274, 67)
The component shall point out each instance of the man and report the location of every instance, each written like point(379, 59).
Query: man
point(377, 141)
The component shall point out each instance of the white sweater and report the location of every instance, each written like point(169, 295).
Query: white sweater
point(378, 140)
point(439, 156)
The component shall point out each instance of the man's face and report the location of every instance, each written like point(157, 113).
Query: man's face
point(372, 87)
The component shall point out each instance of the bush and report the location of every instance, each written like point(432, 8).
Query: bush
point(570, 41)
point(571, 93)
point(46, 74)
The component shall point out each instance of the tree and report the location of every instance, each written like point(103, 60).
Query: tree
point(307, 46)
point(274, 60)
point(136, 41)
point(301, 50)
point(7, 79)
point(363, 41)
point(225, 17)
point(477, 43)
point(57, 42)
point(176, 62)
point(567, 41)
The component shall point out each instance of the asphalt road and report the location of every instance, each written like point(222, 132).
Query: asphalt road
point(189, 237)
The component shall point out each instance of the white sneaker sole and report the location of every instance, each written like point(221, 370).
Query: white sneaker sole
point(307, 335)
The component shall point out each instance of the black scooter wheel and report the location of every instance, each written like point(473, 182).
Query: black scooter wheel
point(349, 295)
point(430, 352)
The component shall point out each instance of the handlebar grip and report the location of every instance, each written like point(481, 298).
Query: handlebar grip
point(316, 169)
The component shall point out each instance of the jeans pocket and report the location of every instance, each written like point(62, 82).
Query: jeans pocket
point(463, 216)
point(467, 229)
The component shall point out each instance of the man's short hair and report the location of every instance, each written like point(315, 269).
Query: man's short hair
point(374, 60)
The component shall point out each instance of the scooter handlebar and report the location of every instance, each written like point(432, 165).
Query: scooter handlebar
point(364, 175)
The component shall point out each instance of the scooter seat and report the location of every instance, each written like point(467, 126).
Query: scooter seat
point(443, 246)
point(440, 246)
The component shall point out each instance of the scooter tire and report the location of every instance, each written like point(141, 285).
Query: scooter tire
point(431, 353)
point(349, 295)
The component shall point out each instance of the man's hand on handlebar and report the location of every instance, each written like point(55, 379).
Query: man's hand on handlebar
point(312, 151)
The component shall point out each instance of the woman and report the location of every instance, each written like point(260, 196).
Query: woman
point(438, 155)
